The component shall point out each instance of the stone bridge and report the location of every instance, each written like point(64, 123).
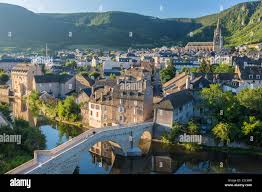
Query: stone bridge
point(64, 158)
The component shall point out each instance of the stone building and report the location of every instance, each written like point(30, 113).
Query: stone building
point(218, 39)
point(249, 73)
point(216, 45)
point(83, 82)
point(22, 76)
point(199, 46)
point(175, 107)
point(117, 106)
point(56, 85)
point(176, 84)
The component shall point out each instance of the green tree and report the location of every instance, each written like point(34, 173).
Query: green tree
point(33, 100)
point(175, 131)
point(222, 132)
point(205, 67)
point(223, 106)
point(192, 128)
point(72, 64)
point(112, 76)
point(13, 154)
point(168, 73)
point(224, 68)
point(252, 128)
point(68, 109)
point(94, 74)
point(5, 110)
point(252, 100)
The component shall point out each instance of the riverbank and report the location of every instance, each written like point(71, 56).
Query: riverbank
point(240, 151)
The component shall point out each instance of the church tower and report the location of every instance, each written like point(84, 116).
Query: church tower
point(218, 38)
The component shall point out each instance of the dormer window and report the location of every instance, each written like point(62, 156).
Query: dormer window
point(257, 76)
point(250, 76)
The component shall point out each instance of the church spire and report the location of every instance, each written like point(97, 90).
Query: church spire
point(218, 39)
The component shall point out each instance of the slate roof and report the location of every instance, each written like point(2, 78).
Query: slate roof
point(88, 79)
point(175, 100)
point(50, 78)
point(87, 91)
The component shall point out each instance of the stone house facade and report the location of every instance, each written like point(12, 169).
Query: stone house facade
point(59, 86)
point(22, 78)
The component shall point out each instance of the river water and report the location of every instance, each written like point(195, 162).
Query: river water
point(157, 158)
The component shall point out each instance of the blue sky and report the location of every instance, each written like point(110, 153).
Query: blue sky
point(158, 8)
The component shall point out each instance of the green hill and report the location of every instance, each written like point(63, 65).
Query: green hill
point(111, 29)
point(237, 24)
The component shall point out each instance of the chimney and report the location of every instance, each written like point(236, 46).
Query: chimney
point(93, 90)
point(187, 82)
point(101, 97)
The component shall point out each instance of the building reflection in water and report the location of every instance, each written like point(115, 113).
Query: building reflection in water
point(102, 154)
point(20, 110)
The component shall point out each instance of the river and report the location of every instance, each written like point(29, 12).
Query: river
point(157, 158)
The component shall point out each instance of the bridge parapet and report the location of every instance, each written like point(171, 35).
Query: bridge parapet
point(72, 148)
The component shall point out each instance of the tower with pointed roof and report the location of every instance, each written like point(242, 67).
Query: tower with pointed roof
point(218, 38)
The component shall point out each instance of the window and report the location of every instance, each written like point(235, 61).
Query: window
point(258, 77)
point(135, 103)
point(97, 107)
point(121, 118)
point(250, 76)
point(92, 106)
point(97, 114)
point(91, 113)
point(70, 86)
point(134, 111)
point(121, 109)
point(50, 85)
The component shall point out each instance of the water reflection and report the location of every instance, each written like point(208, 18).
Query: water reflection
point(157, 159)
point(97, 160)
point(56, 133)
point(162, 160)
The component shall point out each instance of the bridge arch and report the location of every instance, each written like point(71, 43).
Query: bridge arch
point(64, 158)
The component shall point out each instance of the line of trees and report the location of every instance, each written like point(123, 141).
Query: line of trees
point(14, 154)
point(67, 109)
point(235, 117)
